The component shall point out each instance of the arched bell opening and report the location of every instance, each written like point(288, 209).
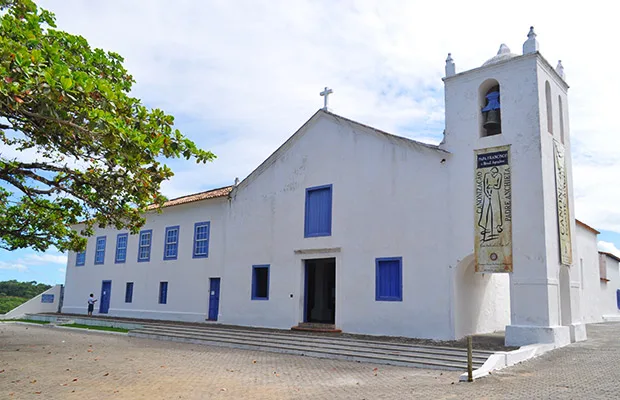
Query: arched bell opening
point(549, 108)
point(490, 103)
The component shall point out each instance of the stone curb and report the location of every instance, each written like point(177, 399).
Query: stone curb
point(503, 359)
point(89, 330)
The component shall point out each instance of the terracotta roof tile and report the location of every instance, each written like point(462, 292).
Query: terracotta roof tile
point(209, 194)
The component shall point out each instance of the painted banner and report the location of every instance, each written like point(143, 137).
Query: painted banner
point(561, 194)
point(493, 210)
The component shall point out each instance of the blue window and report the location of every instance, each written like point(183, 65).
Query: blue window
point(171, 243)
point(129, 292)
point(144, 245)
point(260, 282)
point(318, 220)
point(163, 292)
point(389, 280)
point(80, 258)
point(618, 298)
point(201, 239)
point(100, 250)
point(121, 248)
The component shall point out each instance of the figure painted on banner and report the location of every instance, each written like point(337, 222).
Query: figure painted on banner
point(91, 304)
point(491, 217)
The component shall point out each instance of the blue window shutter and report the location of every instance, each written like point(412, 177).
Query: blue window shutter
point(201, 239)
point(171, 242)
point(388, 280)
point(80, 259)
point(121, 248)
point(144, 245)
point(318, 218)
point(618, 298)
point(100, 250)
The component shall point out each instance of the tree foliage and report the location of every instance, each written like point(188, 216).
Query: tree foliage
point(26, 290)
point(75, 146)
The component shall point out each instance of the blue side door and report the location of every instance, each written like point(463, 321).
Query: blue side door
point(214, 299)
point(104, 300)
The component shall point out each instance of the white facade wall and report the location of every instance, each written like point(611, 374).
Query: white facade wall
point(589, 274)
point(598, 297)
point(187, 277)
point(609, 306)
point(389, 200)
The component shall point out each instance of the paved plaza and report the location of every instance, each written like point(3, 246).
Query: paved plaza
point(51, 363)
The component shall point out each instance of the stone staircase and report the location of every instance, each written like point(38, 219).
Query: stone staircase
point(316, 327)
point(322, 346)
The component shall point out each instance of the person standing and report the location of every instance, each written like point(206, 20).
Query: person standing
point(91, 304)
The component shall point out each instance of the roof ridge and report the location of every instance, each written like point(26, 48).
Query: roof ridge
point(431, 146)
point(192, 197)
point(202, 192)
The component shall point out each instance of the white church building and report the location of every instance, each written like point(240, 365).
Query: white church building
point(351, 228)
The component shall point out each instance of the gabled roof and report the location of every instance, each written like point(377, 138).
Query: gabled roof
point(322, 113)
point(588, 227)
point(390, 135)
point(610, 255)
point(190, 198)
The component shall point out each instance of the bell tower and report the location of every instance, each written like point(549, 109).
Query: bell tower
point(510, 183)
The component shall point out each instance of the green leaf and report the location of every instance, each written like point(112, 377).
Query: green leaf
point(69, 102)
point(66, 83)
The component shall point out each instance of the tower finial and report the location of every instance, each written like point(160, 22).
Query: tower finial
point(560, 70)
point(450, 67)
point(531, 44)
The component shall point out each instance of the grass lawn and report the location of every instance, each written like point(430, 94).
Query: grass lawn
point(26, 320)
point(97, 328)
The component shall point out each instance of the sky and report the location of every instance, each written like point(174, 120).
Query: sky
point(240, 76)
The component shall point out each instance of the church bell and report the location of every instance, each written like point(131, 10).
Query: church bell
point(491, 120)
point(491, 113)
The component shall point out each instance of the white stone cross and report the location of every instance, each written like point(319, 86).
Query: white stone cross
point(325, 93)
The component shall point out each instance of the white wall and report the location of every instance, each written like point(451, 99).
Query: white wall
point(609, 302)
point(187, 277)
point(389, 200)
point(482, 301)
point(35, 305)
point(598, 297)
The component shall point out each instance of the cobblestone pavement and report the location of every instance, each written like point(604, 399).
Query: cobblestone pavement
point(49, 363)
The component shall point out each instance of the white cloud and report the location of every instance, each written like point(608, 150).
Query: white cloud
point(242, 76)
point(10, 265)
point(62, 270)
point(44, 258)
point(24, 262)
point(608, 247)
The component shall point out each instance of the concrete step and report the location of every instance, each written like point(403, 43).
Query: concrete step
point(312, 345)
point(316, 327)
point(330, 342)
point(325, 338)
point(342, 348)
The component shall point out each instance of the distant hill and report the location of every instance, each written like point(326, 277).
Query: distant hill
point(14, 293)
